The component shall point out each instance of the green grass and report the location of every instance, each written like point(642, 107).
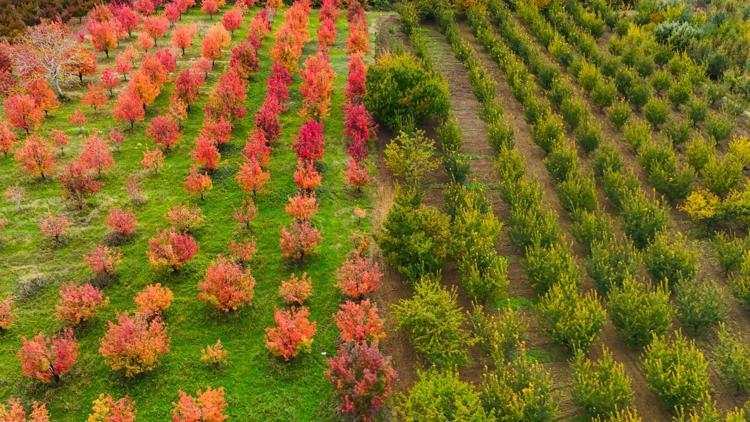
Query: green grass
point(258, 387)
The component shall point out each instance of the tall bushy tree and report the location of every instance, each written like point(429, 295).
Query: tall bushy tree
point(36, 157)
point(48, 358)
point(23, 112)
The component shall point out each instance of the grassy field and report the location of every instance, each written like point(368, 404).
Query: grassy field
point(258, 387)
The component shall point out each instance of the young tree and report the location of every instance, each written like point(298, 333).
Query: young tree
point(306, 176)
point(209, 7)
point(232, 20)
point(298, 240)
point(106, 409)
point(601, 386)
point(7, 138)
point(267, 119)
point(301, 206)
point(167, 59)
point(153, 301)
point(359, 322)
point(296, 290)
point(133, 345)
point(153, 160)
point(145, 42)
point(121, 222)
point(676, 370)
point(244, 59)
point(355, 82)
point(109, 80)
point(358, 276)
point(79, 182)
point(6, 313)
point(362, 378)
point(182, 37)
point(170, 248)
point(310, 145)
point(245, 214)
point(48, 358)
point(78, 304)
point(80, 62)
point(242, 252)
point(78, 119)
point(129, 108)
point(164, 132)
point(184, 217)
point(226, 286)
point(187, 86)
point(123, 65)
point(197, 183)
point(13, 411)
point(103, 36)
point(411, 157)
point(251, 177)
point(257, 147)
point(36, 157)
point(127, 18)
point(206, 154)
point(214, 354)
point(317, 86)
point(23, 112)
point(292, 334)
point(43, 95)
point(209, 406)
point(103, 260)
point(172, 13)
point(156, 26)
point(95, 96)
point(228, 98)
point(53, 227)
point(96, 156)
point(214, 41)
point(357, 174)
point(218, 130)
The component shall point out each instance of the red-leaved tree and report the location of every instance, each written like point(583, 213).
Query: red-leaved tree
point(357, 174)
point(53, 226)
point(79, 303)
point(310, 145)
point(7, 138)
point(43, 95)
point(23, 112)
point(163, 132)
point(355, 83)
point(359, 321)
point(96, 156)
point(306, 177)
point(171, 249)
point(206, 154)
point(13, 411)
point(292, 334)
point(244, 59)
point(109, 80)
point(103, 260)
point(298, 240)
point(133, 345)
point(210, 7)
point(226, 285)
point(121, 222)
point(317, 86)
point(358, 276)
point(256, 146)
point(197, 183)
point(214, 41)
point(232, 20)
point(79, 182)
point(267, 118)
point(301, 206)
point(6, 313)
point(251, 177)
point(187, 85)
point(296, 290)
point(182, 37)
point(106, 409)
point(153, 301)
point(246, 212)
point(36, 157)
point(362, 379)
point(153, 160)
point(129, 108)
point(207, 406)
point(48, 358)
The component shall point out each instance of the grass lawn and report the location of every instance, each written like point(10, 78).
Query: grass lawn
point(258, 387)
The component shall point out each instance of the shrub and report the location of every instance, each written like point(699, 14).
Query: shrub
point(395, 77)
point(620, 415)
point(153, 300)
point(546, 266)
point(601, 386)
point(722, 176)
point(133, 345)
point(411, 157)
point(730, 251)
point(184, 217)
point(79, 303)
point(561, 162)
point(522, 388)
point(530, 226)
point(548, 133)
point(577, 193)
point(637, 133)
point(638, 312)
point(676, 370)
point(406, 222)
point(680, 91)
point(661, 80)
point(603, 94)
point(731, 355)
point(501, 335)
point(718, 126)
point(13, 411)
point(121, 222)
point(619, 113)
point(171, 249)
point(440, 395)
point(359, 322)
point(589, 136)
point(207, 406)
point(296, 290)
point(679, 132)
point(639, 95)
point(589, 227)
point(6, 313)
point(226, 286)
point(292, 334)
point(106, 409)
point(48, 358)
point(571, 319)
point(53, 227)
point(362, 378)
point(103, 260)
point(700, 304)
point(214, 354)
point(696, 110)
point(612, 260)
point(434, 323)
point(574, 111)
point(698, 152)
point(500, 134)
point(588, 76)
point(656, 111)
point(674, 260)
point(642, 218)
